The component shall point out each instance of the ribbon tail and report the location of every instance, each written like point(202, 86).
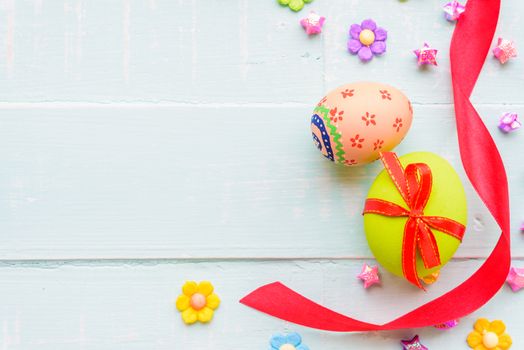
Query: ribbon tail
point(427, 246)
point(409, 252)
point(278, 300)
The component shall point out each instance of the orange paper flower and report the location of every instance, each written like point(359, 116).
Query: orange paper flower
point(197, 302)
point(489, 336)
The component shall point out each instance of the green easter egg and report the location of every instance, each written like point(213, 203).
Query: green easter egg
point(447, 199)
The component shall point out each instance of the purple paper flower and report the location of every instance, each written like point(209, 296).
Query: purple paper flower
point(367, 40)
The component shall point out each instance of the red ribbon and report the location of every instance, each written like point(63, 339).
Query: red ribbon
point(414, 185)
point(484, 168)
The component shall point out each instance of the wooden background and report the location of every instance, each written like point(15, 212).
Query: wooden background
point(143, 143)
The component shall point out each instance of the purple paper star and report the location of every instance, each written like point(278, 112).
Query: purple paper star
point(447, 325)
point(369, 275)
point(509, 122)
point(312, 23)
point(505, 50)
point(453, 10)
point(413, 344)
point(426, 55)
point(516, 278)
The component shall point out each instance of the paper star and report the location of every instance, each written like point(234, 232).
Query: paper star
point(369, 275)
point(453, 10)
point(312, 23)
point(516, 278)
point(447, 325)
point(509, 122)
point(505, 50)
point(426, 55)
point(413, 344)
point(431, 278)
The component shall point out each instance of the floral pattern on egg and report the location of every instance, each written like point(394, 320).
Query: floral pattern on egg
point(356, 121)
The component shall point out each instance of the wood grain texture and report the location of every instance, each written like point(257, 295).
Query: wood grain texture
point(143, 143)
point(179, 51)
point(129, 305)
point(144, 182)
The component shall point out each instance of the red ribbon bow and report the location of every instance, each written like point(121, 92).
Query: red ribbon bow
point(414, 185)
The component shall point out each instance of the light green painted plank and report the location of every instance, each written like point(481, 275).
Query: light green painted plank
point(112, 306)
point(227, 51)
point(203, 182)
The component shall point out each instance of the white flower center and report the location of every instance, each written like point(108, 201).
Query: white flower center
point(490, 340)
point(287, 347)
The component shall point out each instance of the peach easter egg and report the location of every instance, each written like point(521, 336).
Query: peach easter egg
point(356, 121)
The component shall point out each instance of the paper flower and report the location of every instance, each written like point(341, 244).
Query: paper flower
point(197, 302)
point(292, 341)
point(504, 50)
point(413, 344)
point(453, 10)
point(426, 55)
point(509, 122)
point(489, 335)
point(516, 278)
point(369, 275)
point(312, 23)
point(367, 40)
point(295, 5)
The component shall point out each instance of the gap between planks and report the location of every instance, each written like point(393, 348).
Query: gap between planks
point(195, 104)
point(50, 263)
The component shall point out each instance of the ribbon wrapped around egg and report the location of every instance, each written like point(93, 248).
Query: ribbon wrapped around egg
point(415, 214)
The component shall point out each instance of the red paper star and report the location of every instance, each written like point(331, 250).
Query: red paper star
point(413, 344)
point(369, 275)
point(515, 278)
point(505, 50)
point(426, 55)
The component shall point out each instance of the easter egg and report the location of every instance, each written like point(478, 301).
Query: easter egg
point(447, 199)
point(356, 121)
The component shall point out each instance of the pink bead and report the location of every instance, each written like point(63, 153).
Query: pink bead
point(198, 301)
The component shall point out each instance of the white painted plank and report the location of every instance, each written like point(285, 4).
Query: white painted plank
point(155, 51)
point(409, 25)
point(198, 182)
point(227, 51)
point(125, 305)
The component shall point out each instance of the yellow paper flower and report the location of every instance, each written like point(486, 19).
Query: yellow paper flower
point(489, 336)
point(197, 302)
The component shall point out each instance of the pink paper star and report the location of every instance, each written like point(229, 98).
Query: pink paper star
point(369, 275)
point(413, 344)
point(516, 278)
point(312, 23)
point(505, 50)
point(426, 55)
point(453, 10)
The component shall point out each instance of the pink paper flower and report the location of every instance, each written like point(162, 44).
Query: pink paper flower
point(367, 40)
